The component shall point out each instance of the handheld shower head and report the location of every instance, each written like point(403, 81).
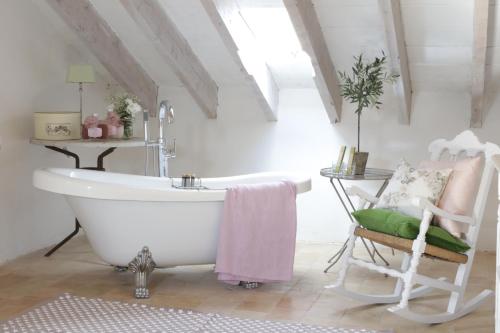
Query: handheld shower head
point(166, 111)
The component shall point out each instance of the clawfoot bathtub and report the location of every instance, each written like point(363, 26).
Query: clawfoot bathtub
point(122, 213)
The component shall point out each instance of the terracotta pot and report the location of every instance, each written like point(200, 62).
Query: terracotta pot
point(359, 162)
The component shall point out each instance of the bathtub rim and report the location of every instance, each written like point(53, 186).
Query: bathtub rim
point(63, 181)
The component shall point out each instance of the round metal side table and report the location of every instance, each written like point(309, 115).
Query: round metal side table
point(336, 179)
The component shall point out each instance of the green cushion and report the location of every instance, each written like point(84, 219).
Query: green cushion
point(396, 224)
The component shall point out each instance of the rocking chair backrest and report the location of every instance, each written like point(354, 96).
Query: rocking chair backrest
point(466, 143)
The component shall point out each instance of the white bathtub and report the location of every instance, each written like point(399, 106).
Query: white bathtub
point(122, 213)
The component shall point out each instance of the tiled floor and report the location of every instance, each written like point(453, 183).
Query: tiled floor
point(75, 269)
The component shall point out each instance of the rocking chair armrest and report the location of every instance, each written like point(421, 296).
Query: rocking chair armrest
point(426, 204)
point(356, 191)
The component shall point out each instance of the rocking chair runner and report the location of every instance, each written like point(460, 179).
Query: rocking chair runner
point(465, 143)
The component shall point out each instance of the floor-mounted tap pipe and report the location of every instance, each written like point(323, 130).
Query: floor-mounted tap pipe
point(165, 114)
point(163, 147)
point(145, 118)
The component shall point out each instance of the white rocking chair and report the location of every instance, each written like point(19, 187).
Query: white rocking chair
point(467, 144)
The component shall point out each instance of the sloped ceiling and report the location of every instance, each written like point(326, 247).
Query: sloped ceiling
point(438, 33)
point(438, 36)
point(80, 52)
point(191, 19)
point(138, 45)
point(493, 53)
point(439, 42)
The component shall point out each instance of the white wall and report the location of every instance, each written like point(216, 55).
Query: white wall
point(241, 141)
point(37, 49)
point(34, 62)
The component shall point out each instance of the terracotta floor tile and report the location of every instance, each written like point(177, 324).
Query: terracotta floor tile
point(33, 279)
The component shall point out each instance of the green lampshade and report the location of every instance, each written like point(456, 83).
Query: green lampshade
point(80, 74)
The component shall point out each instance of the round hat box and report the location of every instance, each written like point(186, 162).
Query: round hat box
point(57, 125)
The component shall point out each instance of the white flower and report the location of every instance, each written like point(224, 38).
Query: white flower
point(134, 108)
point(129, 101)
point(111, 107)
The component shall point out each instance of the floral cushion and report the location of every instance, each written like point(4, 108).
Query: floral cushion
point(408, 183)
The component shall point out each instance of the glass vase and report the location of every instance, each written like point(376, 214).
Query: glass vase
point(127, 131)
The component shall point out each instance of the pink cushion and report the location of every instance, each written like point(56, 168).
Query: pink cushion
point(460, 192)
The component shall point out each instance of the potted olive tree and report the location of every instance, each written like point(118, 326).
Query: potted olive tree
point(364, 87)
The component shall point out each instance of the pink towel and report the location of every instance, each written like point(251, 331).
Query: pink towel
point(257, 234)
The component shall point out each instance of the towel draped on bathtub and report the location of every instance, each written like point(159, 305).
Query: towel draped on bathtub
point(257, 234)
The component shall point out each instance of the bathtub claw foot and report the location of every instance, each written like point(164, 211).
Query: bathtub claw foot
point(142, 265)
point(249, 285)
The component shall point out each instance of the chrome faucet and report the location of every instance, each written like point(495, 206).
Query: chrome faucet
point(166, 113)
point(164, 147)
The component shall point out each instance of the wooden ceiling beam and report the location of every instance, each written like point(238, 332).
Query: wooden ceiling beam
point(175, 50)
point(82, 17)
point(241, 44)
point(479, 48)
point(308, 29)
point(395, 37)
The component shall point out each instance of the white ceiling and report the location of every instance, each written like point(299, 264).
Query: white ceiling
point(438, 36)
point(279, 44)
point(439, 40)
point(191, 19)
point(205, 41)
point(138, 44)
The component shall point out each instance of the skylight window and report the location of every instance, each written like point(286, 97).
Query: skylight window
point(279, 45)
point(273, 30)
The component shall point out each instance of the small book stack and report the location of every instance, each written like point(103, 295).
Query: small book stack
point(339, 166)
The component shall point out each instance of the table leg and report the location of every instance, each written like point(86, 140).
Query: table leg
point(346, 196)
point(372, 254)
point(379, 193)
point(65, 240)
point(336, 254)
point(100, 158)
point(99, 167)
point(341, 201)
point(335, 258)
point(67, 153)
point(375, 250)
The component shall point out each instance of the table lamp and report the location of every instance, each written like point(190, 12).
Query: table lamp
point(80, 74)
